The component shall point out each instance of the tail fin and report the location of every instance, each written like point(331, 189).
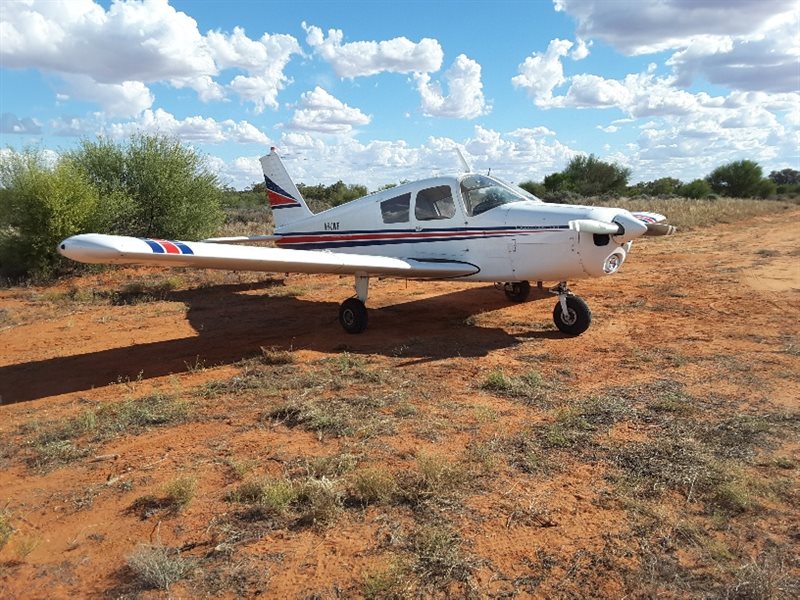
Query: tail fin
point(285, 199)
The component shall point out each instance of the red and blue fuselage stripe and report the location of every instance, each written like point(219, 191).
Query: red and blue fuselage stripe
point(320, 239)
point(168, 247)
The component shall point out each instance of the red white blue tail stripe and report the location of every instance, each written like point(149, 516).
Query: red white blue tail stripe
point(278, 197)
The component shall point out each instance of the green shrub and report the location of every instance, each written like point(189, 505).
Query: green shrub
point(152, 186)
point(40, 206)
point(739, 179)
point(697, 189)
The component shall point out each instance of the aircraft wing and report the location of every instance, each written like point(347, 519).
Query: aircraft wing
point(114, 249)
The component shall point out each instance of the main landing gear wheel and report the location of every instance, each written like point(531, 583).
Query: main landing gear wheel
point(518, 291)
point(353, 315)
point(577, 317)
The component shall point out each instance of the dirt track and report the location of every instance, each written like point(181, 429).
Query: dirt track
point(715, 310)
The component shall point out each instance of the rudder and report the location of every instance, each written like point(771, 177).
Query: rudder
point(283, 196)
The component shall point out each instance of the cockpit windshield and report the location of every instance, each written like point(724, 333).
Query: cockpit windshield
point(482, 193)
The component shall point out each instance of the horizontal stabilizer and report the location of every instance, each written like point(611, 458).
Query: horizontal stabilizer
point(655, 229)
point(655, 223)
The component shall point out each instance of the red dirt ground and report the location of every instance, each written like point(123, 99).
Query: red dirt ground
point(715, 310)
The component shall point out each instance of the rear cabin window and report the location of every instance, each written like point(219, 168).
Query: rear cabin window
point(435, 203)
point(395, 210)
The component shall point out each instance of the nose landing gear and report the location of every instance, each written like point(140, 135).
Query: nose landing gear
point(571, 314)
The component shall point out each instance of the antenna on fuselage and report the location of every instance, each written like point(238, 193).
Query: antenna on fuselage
point(489, 172)
point(465, 168)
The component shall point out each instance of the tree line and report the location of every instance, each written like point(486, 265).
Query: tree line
point(154, 186)
point(590, 176)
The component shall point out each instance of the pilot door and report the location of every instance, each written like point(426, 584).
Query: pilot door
point(438, 223)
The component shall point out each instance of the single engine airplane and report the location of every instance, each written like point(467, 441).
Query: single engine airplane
point(468, 227)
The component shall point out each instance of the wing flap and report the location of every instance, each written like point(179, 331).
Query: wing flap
point(113, 249)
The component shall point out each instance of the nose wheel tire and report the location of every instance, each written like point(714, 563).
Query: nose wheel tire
point(576, 319)
point(518, 291)
point(353, 315)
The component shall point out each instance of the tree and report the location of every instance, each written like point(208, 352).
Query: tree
point(785, 177)
point(589, 176)
point(556, 182)
point(697, 189)
point(766, 188)
point(332, 195)
point(151, 186)
point(40, 205)
point(537, 189)
point(665, 186)
point(739, 179)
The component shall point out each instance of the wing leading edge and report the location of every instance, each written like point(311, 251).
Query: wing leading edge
point(114, 249)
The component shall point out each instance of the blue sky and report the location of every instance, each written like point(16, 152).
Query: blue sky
point(377, 91)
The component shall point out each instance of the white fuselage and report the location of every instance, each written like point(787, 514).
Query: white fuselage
point(520, 240)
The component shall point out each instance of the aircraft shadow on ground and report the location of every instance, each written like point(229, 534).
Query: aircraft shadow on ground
point(232, 325)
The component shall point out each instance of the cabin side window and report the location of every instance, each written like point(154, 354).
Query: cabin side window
point(435, 203)
point(395, 210)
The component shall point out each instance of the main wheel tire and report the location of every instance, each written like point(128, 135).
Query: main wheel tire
point(577, 318)
point(519, 292)
point(353, 315)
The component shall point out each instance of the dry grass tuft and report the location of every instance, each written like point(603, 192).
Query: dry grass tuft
point(158, 567)
point(179, 492)
point(372, 486)
point(438, 554)
point(393, 582)
point(56, 442)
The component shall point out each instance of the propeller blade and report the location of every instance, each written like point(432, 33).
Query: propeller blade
point(594, 226)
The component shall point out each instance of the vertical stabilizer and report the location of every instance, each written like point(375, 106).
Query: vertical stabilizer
point(285, 199)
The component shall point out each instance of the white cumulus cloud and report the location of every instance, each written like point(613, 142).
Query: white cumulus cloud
point(191, 129)
point(540, 73)
point(465, 98)
point(124, 99)
point(320, 111)
point(741, 44)
point(108, 55)
point(359, 59)
point(264, 60)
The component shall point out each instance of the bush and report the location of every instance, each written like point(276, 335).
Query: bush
point(766, 188)
point(665, 186)
point(738, 179)
point(697, 189)
point(152, 186)
point(40, 206)
point(537, 189)
point(331, 195)
point(589, 176)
